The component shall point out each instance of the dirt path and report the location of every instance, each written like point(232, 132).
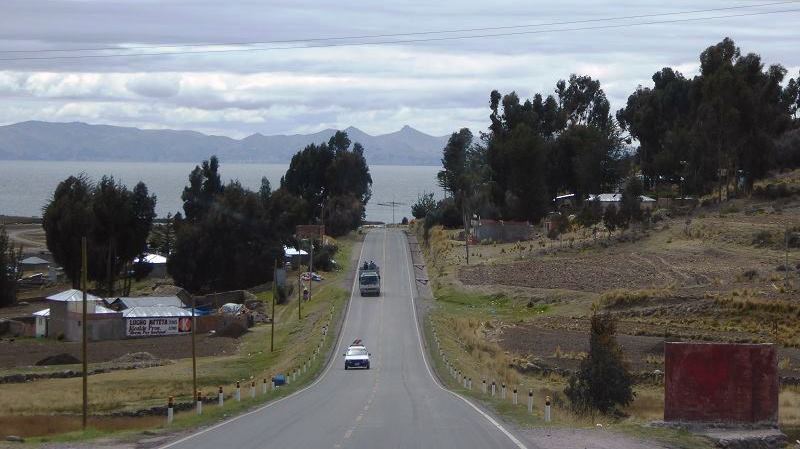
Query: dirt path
point(585, 438)
point(31, 237)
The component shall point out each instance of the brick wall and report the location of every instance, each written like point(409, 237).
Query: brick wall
point(721, 382)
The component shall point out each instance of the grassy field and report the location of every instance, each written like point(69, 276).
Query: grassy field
point(295, 343)
point(519, 312)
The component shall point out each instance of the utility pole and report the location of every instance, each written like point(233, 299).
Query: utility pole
point(84, 265)
point(274, 293)
point(299, 292)
point(194, 349)
point(392, 204)
point(311, 268)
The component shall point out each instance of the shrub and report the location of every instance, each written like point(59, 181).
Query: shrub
point(624, 298)
point(762, 239)
point(603, 381)
point(323, 257)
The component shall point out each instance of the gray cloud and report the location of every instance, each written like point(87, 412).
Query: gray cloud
point(435, 86)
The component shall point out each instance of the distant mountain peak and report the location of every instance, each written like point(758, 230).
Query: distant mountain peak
point(78, 141)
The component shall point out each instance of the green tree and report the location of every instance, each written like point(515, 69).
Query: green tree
point(229, 239)
point(602, 381)
point(67, 217)
point(9, 269)
point(328, 176)
point(425, 204)
point(630, 205)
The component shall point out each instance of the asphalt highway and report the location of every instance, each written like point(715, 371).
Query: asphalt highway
point(395, 404)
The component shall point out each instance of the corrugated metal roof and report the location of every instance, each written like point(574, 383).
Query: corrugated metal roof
point(152, 258)
point(72, 295)
point(43, 312)
point(149, 301)
point(33, 260)
point(102, 309)
point(149, 312)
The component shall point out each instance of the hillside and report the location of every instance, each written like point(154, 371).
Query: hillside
point(77, 141)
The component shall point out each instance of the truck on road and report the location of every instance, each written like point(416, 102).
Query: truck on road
point(369, 279)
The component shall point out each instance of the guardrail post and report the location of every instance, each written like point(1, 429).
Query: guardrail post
point(221, 397)
point(170, 410)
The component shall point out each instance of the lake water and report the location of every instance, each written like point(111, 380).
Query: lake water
point(25, 186)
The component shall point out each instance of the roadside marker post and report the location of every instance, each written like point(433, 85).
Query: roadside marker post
point(484, 386)
point(199, 402)
point(221, 397)
point(238, 394)
point(170, 410)
point(264, 386)
point(253, 389)
point(503, 393)
point(272, 385)
point(493, 388)
point(516, 400)
point(469, 383)
point(465, 381)
point(547, 416)
point(530, 401)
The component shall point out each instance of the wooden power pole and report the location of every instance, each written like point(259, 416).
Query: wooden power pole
point(84, 327)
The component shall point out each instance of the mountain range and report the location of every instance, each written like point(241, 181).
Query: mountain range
point(76, 141)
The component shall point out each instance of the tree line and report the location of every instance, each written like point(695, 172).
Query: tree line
point(226, 237)
point(722, 129)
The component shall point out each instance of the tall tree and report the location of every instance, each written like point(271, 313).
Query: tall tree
point(229, 240)
point(67, 217)
point(330, 176)
point(9, 269)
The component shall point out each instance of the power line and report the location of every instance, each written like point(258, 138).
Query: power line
point(399, 41)
point(380, 36)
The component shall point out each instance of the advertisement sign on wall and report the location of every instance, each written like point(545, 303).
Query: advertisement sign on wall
point(146, 327)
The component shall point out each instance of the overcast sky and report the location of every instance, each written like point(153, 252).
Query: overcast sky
point(436, 86)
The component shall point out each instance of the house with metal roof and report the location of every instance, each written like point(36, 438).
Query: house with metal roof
point(124, 303)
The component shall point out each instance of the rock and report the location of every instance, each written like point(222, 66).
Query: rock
point(15, 439)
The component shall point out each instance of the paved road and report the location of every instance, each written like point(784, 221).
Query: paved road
point(396, 404)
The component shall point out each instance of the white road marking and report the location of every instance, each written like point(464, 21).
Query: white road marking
point(319, 379)
point(493, 421)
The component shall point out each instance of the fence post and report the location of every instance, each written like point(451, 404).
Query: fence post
point(221, 397)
